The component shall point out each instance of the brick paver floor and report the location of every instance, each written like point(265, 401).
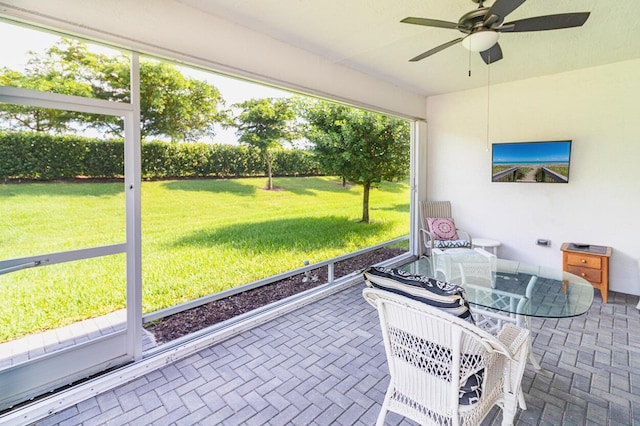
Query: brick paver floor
point(324, 364)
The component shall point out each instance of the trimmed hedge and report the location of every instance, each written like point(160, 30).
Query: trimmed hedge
point(40, 156)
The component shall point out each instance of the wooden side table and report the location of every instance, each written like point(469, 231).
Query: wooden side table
point(590, 262)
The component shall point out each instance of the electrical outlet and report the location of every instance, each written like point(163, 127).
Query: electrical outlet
point(543, 242)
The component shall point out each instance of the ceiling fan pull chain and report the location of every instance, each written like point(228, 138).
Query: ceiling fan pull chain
point(469, 63)
point(488, 97)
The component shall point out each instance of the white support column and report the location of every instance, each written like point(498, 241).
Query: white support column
point(132, 172)
point(418, 180)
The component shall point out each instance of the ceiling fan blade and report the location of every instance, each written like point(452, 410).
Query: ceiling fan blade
point(430, 23)
point(492, 54)
point(502, 8)
point(435, 50)
point(549, 22)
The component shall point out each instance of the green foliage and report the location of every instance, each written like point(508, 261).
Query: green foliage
point(303, 161)
point(26, 117)
point(171, 105)
point(174, 106)
point(42, 156)
point(163, 160)
point(363, 147)
point(560, 169)
point(265, 124)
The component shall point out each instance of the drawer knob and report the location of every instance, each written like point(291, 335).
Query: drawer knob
point(583, 260)
point(583, 274)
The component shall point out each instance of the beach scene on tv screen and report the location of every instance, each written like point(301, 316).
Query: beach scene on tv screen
point(531, 162)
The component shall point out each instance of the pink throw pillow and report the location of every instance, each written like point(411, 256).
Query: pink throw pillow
point(442, 228)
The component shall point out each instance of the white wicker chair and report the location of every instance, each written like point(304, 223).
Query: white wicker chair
point(434, 361)
point(442, 209)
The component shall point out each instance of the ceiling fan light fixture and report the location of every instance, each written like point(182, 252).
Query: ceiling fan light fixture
point(480, 41)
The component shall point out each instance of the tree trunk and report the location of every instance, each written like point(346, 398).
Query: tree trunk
point(37, 117)
point(266, 156)
point(344, 182)
point(365, 203)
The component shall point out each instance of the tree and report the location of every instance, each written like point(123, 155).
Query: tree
point(177, 107)
point(324, 129)
point(30, 118)
point(171, 105)
point(265, 124)
point(364, 148)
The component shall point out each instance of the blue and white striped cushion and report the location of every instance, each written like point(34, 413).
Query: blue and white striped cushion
point(445, 244)
point(471, 389)
point(450, 298)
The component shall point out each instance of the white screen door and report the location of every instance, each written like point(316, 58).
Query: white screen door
point(69, 262)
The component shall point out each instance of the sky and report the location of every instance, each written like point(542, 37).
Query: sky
point(534, 152)
point(16, 41)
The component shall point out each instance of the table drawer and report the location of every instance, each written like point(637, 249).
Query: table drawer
point(585, 261)
point(593, 275)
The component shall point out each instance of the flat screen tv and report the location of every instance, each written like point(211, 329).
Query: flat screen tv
point(531, 162)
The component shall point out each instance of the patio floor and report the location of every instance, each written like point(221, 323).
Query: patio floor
point(324, 364)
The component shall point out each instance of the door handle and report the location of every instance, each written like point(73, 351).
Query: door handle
point(20, 267)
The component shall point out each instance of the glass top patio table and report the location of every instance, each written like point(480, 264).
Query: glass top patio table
point(507, 285)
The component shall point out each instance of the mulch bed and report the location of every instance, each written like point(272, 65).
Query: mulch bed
point(195, 319)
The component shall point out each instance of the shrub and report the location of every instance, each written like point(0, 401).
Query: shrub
point(41, 156)
point(294, 163)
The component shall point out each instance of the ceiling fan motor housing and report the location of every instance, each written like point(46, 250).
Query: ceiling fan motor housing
point(477, 20)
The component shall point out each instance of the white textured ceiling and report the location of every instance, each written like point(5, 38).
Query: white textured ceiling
point(367, 35)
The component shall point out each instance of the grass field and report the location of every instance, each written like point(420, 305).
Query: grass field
point(198, 237)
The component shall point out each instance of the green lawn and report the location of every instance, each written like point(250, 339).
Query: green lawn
point(199, 237)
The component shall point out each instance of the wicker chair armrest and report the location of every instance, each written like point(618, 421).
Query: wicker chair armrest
point(428, 238)
point(464, 235)
point(516, 339)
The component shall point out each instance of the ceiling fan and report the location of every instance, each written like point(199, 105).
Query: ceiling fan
point(483, 26)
